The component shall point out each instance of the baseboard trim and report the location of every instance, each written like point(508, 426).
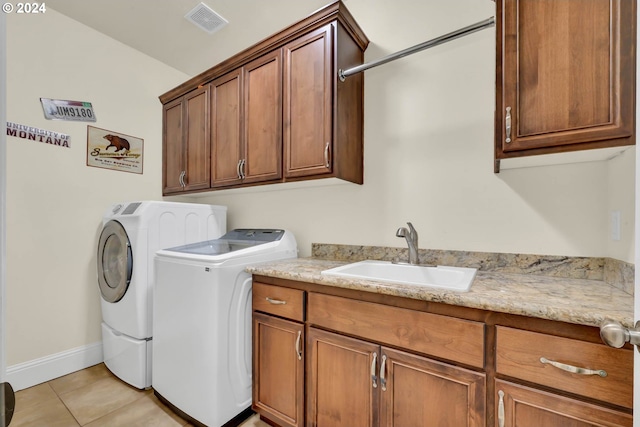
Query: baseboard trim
point(37, 371)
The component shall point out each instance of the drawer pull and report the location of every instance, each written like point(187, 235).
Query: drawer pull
point(298, 342)
point(275, 301)
point(383, 366)
point(574, 369)
point(501, 409)
point(374, 379)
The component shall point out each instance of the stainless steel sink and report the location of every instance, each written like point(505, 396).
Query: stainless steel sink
point(442, 277)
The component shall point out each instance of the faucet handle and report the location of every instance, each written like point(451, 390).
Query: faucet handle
point(413, 233)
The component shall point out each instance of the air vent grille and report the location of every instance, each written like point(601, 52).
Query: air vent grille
point(205, 18)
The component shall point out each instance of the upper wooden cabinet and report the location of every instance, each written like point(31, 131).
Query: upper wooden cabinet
point(246, 123)
point(278, 110)
point(565, 76)
point(186, 142)
point(308, 80)
point(226, 129)
point(323, 117)
point(263, 119)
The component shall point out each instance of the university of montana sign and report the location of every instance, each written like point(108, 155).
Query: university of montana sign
point(39, 135)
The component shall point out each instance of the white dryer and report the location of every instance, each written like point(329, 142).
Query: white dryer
point(202, 326)
point(131, 234)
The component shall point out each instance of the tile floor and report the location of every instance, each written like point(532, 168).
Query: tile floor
point(94, 397)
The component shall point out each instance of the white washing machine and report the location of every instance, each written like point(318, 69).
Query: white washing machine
point(131, 234)
point(202, 322)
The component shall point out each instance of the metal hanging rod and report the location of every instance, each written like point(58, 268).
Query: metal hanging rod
point(490, 22)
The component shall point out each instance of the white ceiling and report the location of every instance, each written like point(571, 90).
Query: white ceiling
point(158, 27)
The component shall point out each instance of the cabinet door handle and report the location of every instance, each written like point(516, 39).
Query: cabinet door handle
point(275, 301)
point(238, 169)
point(574, 369)
point(298, 343)
point(383, 368)
point(374, 379)
point(327, 164)
point(507, 121)
point(181, 179)
point(501, 409)
point(242, 163)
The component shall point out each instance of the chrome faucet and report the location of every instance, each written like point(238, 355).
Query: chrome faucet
point(411, 235)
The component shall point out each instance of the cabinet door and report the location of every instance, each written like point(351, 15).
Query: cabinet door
point(226, 119)
point(278, 369)
point(567, 73)
point(173, 149)
point(263, 119)
point(196, 139)
point(522, 406)
point(308, 77)
point(416, 391)
point(342, 389)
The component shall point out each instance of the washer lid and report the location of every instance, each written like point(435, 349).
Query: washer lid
point(234, 240)
point(115, 262)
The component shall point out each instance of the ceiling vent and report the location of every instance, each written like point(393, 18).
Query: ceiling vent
point(205, 18)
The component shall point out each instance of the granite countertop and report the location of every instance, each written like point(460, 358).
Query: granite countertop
point(584, 301)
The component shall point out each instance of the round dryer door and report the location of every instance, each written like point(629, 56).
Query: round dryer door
point(115, 262)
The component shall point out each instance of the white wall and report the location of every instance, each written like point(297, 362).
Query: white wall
point(429, 157)
point(54, 201)
point(621, 191)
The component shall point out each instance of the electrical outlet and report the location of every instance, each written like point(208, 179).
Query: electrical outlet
point(615, 225)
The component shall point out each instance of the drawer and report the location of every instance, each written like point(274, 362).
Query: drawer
point(283, 302)
point(519, 353)
point(440, 336)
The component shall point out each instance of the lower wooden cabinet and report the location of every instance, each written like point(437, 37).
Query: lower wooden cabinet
point(521, 406)
point(342, 375)
point(587, 370)
point(425, 392)
point(360, 360)
point(592, 370)
point(278, 369)
point(357, 383)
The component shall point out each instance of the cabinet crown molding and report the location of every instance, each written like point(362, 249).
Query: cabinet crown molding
point(333, 11)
